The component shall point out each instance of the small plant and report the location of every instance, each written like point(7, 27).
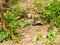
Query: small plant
point(49, 13)
point(51, 35)
point(9, 17)
point(0, 27)
point(39, 36)
point(59, 29)
point(14, 1)
point(12, 22)
point(52, 10)
point(13, 15)
point(38, 3)
point(17, 12)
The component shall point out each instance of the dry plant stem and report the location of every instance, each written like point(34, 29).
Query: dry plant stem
point(2, 19)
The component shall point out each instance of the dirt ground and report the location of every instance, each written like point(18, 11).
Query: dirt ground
point(29, 36)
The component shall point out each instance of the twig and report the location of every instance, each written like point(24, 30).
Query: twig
point(2, 19)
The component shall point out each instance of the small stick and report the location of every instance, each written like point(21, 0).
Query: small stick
point(2, 19)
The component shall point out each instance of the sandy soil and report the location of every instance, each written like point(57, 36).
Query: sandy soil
point(29, 37)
